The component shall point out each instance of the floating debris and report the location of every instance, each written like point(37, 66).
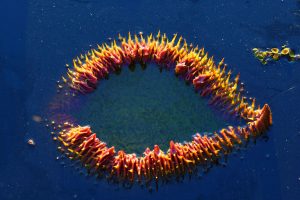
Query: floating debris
point(275, 54)
point(31, 142)
point(37, 118)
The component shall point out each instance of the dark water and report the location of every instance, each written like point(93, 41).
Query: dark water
point(38, 38)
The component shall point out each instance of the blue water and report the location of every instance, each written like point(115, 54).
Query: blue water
point(38, 37)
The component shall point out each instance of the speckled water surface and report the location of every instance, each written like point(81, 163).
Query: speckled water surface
point(134, 110)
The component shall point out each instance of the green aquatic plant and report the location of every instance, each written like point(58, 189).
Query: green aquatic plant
point(275, 54)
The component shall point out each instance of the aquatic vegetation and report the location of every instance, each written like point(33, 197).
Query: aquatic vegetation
point(275, 54)
point(191, 64)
